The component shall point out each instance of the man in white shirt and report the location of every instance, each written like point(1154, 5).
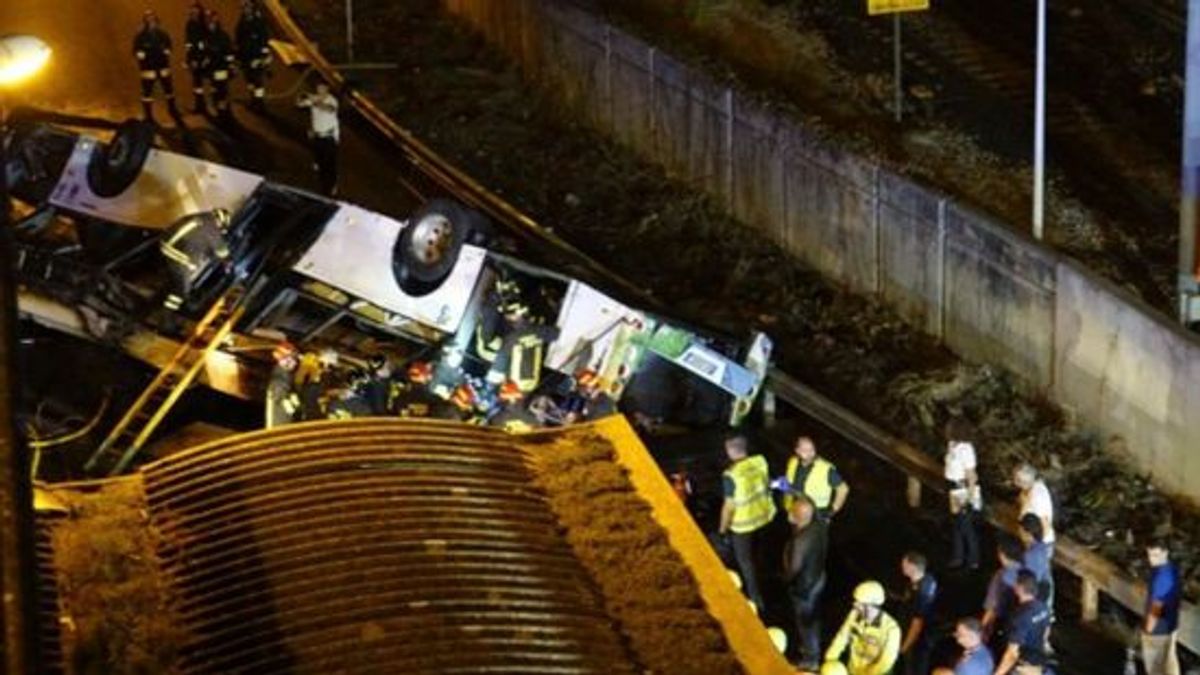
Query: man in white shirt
point(324, 133)
point(965, 498)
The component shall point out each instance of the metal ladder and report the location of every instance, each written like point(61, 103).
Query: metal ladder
point(129, 435)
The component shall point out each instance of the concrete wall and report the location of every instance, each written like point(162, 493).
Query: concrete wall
point(991, 294)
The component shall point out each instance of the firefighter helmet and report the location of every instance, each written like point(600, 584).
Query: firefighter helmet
point(284, 351)
point(510, 392)
point(870, 593)
point(587, 379)
point(420, 372)
point(463, 397)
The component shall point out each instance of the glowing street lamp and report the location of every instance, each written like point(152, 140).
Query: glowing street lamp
point(20, 57)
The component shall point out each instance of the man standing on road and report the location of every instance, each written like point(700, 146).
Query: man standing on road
point(975, 659)
point(1159, 629)
point(1000, 598)
point(1035, 498)
point(195, 38)
point(1026, 650)
point(324, 133)
point(804, 574)
point(152, 48)
point(254, 52)
point(917, 646)
point(815, 477)
point(747, 511)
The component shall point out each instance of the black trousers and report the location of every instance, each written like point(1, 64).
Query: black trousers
point(747, 548)
point(965, 538)
point(220, 87)
point(163, 81)
point(325, 152)
point(916, 661)
point(806, 608)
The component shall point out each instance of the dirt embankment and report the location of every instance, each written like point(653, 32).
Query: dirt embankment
point(118, 607)
point(646, 586)
point(471, 105)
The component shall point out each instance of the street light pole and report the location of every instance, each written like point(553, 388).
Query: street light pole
point(1189, 214)
point(1039, 125)
point(20, 57)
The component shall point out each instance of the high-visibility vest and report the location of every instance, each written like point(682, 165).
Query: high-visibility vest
point(752, 503)
point(525, 366)
point(816, 484)
point(874, 646)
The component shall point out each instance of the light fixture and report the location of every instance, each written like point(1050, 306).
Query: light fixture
point(20, 57)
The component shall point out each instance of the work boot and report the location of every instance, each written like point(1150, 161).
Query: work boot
point(198, 106)
point(148, 111)
point(172, 110)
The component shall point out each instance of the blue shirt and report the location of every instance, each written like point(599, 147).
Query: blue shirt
point(1000, 590)
point(1037, 560)
point(924, 595)
point(1164, 587)
point(1027, 630)
point(978, 662)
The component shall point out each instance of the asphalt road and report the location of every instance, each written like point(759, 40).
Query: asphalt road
point(93, 73)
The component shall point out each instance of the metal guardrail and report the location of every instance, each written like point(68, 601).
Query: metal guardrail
point(1097, 574)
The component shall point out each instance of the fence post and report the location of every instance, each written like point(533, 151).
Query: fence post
point(1089, 600)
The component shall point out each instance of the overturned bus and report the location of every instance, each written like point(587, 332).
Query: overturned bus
point(326, 275)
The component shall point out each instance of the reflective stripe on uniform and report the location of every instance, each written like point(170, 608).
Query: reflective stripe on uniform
point(752, 503)
point(526, 373)
point(149, 74)
point(220, 75)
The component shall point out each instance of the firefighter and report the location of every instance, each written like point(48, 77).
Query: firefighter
point(218, 65)
point(588, 401)
point(512, 415)
point(521, 352)
point(152, 48)
point(195, 33)
point(871, 634)
point(191, 245)
point(282, 400)
point(254, 52)
point(465, 401)
point(376, 387)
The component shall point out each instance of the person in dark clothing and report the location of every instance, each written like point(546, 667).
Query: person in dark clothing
point(1026, 650)
point(376, 385)
point(152, 49)
point(917, 647)
point(195, 39)
point(804, 575)
point(254, 52)
point(1000, 599)
point(218, 65)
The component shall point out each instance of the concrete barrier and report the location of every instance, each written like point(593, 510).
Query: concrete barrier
point(990, 293)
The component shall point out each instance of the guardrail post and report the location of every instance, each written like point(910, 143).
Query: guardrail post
point(1089, 600)
point(913, 493)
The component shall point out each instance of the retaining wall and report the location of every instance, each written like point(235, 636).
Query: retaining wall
point(991, 294)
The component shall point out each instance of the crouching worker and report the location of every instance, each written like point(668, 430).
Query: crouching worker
point(191, 246)
point(872, 636)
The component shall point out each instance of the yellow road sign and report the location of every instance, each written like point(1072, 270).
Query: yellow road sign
point(892, 6)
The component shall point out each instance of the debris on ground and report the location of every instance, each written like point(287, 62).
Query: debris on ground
point(646, 586)
point(724, 275)
point(117, 606)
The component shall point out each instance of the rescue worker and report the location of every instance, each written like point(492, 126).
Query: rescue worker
point(310, 375)
point(815, 477)
point(588, 400)
point(998, 602)
point(377, 384)
point(804, 575)
point(921, 596)
point(1037, 553)
point(152, 48)
point(489, 330)
point(195, 36)
point(191, 245)
point(464, 400)
point(254, 52)
point(522, 350)
point(512, 416)
point(746, 512)
point(872, 636)
point(218, 65)
point(283, 403)
point(1025, 653)
point(411, 396)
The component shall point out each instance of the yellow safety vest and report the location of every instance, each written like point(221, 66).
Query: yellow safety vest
point(525, 366)
point(816, 485)
point(752, 503)
point(874, 647)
